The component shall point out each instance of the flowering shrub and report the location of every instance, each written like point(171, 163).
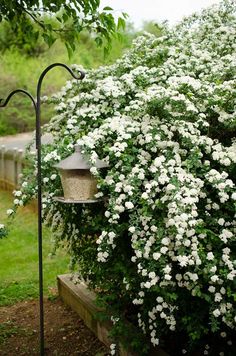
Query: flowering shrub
point(161, 249)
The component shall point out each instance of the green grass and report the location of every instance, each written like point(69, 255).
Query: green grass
point(19, 257)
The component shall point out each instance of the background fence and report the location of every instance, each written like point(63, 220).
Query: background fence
point(11, 164)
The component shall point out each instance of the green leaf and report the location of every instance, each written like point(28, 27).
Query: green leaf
point(98, 41)
point(65, 17)
point(120, 37)
point(49, 39)
point(121, 23)
point(107, 8)
point(106, 51)
point(69, 49)
point(125, 15)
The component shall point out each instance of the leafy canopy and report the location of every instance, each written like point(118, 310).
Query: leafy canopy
point(70, 18)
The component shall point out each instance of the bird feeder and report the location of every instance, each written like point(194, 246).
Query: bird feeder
point(78, 184)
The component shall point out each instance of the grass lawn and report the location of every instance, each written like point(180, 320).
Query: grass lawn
point(19, 257)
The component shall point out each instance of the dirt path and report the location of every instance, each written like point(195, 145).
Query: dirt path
point(20, 141)
point(65, 333)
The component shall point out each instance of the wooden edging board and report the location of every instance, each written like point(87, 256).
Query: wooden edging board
point(82, 301)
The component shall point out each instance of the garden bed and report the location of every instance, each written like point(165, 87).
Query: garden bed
point(65, 333)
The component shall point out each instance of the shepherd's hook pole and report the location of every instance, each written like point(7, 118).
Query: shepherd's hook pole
point(37, 105)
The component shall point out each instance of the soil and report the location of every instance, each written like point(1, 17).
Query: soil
point(65, 333)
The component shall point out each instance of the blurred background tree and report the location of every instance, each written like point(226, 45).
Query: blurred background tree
point(25, 50)
point(59, 19)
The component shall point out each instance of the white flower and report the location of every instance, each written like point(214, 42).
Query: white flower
point(225, 235)
point(53, 176)
point(218, 297)
point(163, 250)
point(129, 205)
point(212, 289)
point(167, 269)
point(112, 234)
point(223, 334)
point(132, 229)
point(183, 260)
point(10, 211)
point(165, 241)
point(221, 221)
point(178, 277)
point(144, 195)
point(156, 256)
point(119, 208)
point(222, 290)
point(214, 278)
point(17, 193)
point(231, 275)
point(107, 214)
point(153, 228)
point(213, 269)
point(152, 275)
point(216, 313)
point(210, 256)
point(94, 170)
point(155, 341)
point(233, 196)
point(147, 285)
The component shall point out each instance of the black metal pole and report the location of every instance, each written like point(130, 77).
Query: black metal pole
point(37, 107)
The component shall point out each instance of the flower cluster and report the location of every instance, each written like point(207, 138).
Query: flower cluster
point(163, 117)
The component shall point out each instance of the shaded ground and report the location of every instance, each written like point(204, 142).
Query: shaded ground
point(65, 333)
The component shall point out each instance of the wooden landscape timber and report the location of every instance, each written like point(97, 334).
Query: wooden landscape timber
point(82, 300)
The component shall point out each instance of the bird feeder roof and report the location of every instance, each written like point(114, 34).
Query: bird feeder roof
point(77, 161)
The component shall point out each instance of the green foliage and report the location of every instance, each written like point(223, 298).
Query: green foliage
point(152, 27)
point(69, 20)
point(19, 70)
point(29, 45)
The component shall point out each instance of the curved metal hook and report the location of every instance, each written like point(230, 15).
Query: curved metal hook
point(82, 74)
point(2, 105)
point(46, 70)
